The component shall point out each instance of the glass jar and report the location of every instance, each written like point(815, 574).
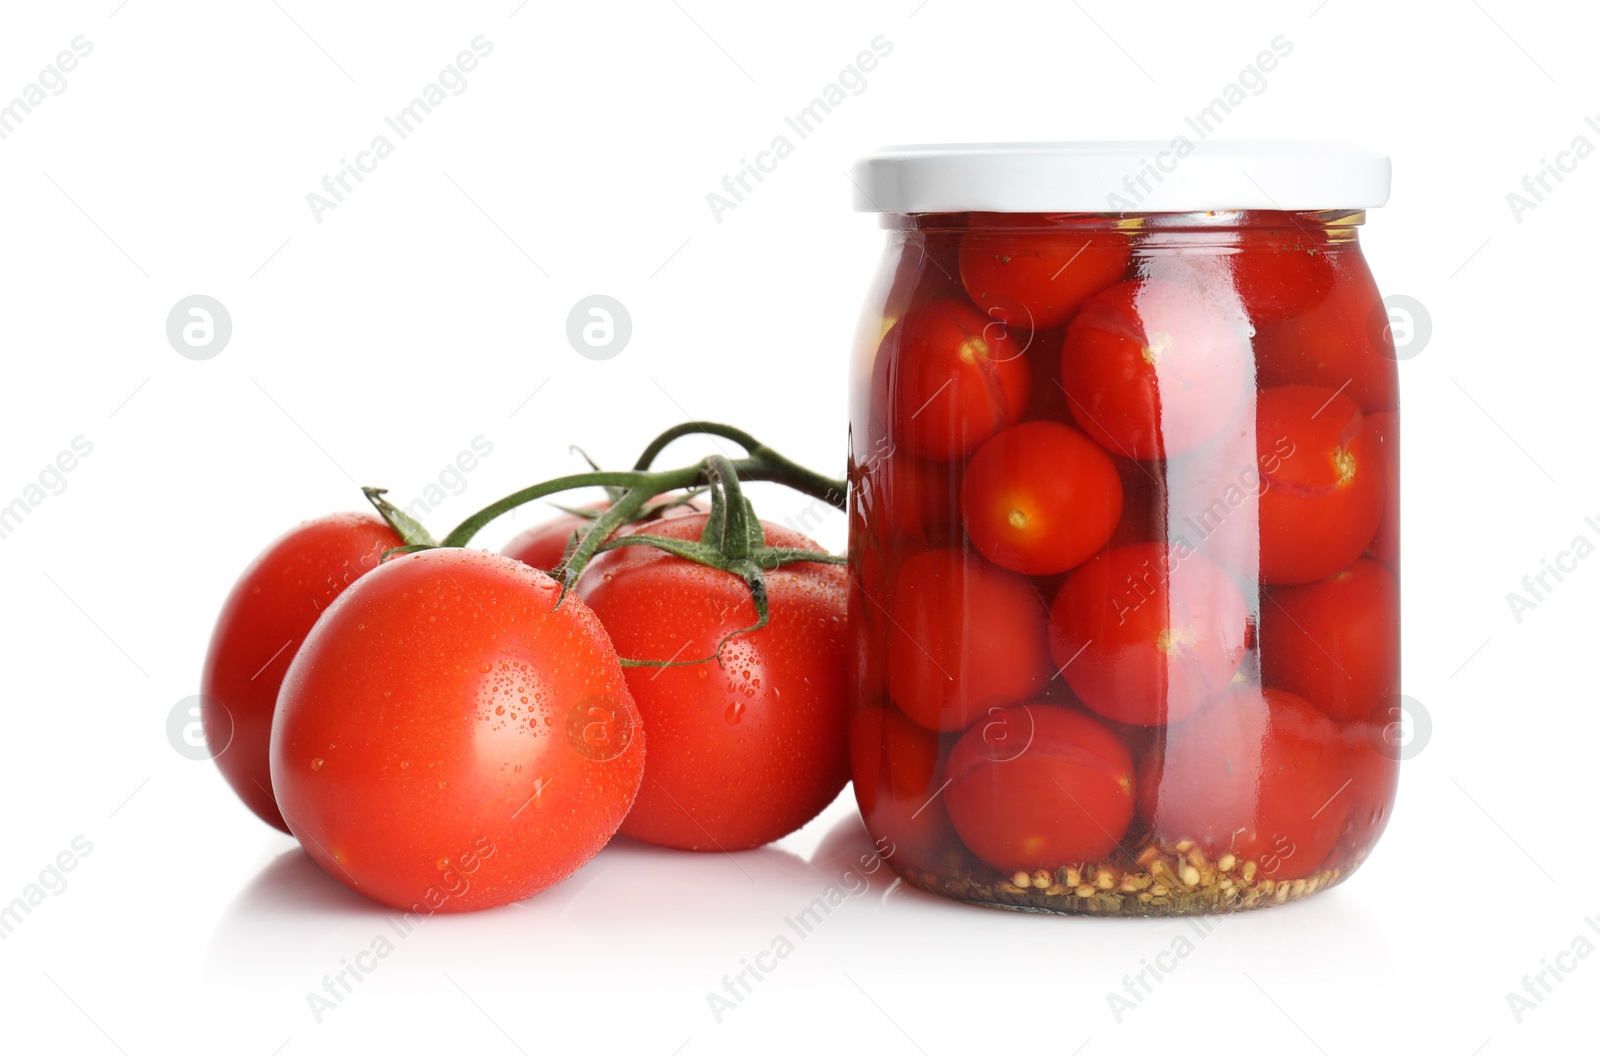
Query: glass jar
point(1123, 525)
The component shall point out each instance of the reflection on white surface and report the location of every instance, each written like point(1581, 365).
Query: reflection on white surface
point(840, 901)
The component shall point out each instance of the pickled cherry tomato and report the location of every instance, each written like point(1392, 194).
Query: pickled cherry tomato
point(927, 269)
point(1342, 342)
point(1144, 633)
point(1259, 773)
point(1372, 763)
point(1386, 544)
point(1154, 367)
point(957, 378)
point(1017, 269)
point(1334, 642)
point(899, 506)
point(897, 772)
point(1040, 498)
point(1321, 503)
point(1055, 787)
point(918, 501)
point(1144, 502)
point(963, 636)
point(1280, 272)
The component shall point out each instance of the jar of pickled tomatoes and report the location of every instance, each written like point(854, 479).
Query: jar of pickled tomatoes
point(1124, 524)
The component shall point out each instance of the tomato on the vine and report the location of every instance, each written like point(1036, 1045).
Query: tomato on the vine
point(262, 624)
point(1154, 367)
point(1258, 773)
point(1336, 642)
point(1320, 503)
point(1040, 498)
point(1144, 633)
point(963, 636)
point(1055, 787)
point(447, 739)
point(961, 377)
point(748, 749)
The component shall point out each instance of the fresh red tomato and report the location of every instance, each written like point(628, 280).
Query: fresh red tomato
point(964, 636)
point(1342, 342)
point(1056, 789)
point(897, 771)
point(1033, 272)
point(1154, 367)
point(1336, 642)
point(262, 625)
point(1255, 772)
point(955, 377)
point(1385, 425)
point(1321, 503)
point(1281, 272)
point(1144, 633)
point(447, 739)
point(748, 750)
point(1040, 498)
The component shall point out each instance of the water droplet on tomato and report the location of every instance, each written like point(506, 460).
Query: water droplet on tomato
point(734, 712)
point(316, 764)
point(441, 783)
point(499, 710)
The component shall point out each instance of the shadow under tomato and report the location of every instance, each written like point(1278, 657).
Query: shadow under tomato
point(293, 919)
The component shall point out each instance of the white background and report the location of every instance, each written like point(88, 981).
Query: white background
point(422, 312)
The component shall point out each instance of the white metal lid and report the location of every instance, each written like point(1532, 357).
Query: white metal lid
point(1180, 176)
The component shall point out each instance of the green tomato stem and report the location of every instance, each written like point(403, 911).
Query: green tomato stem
point(664, 481)
point(828, 489)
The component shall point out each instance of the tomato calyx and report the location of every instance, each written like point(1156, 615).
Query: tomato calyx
point(408, 528)
point(733, 542)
